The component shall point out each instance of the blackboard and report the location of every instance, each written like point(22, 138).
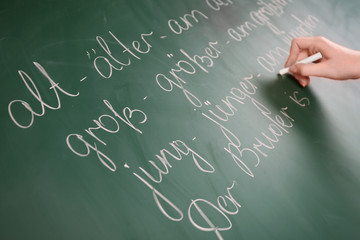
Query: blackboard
point(167, 120)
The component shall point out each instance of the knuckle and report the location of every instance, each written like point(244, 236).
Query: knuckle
point(320, 40)
point(294, 41)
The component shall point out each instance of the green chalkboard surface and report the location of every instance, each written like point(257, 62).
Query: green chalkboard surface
point(125, 119)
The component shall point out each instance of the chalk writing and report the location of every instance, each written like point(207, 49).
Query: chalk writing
point(279, 124)
point(105, 65)
point(111, 55)
point(112, 126)
point(188, 66)
point(273, 58)
point(32, 88)
point(306, 27)
point(216, 5)
point(201, 163)
point(186, 20)
point(222, 209)
point(260, 17)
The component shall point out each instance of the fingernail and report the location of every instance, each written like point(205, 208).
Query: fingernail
point(285, 64)
point(303, 82)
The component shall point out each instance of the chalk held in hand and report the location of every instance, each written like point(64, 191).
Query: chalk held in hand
point(310, 59)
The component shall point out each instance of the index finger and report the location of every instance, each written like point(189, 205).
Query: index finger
point(298, 45)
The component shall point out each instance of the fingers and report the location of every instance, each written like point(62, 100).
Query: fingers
point(318, 70)
point(303, 80)
point(303, 47)
point(302, 72)
point(298, 45)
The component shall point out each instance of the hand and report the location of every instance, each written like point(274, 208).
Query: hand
point(338, 62)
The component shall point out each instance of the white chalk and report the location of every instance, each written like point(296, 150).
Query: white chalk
point(310, 59)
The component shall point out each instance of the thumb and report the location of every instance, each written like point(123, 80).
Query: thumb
point(309, 69)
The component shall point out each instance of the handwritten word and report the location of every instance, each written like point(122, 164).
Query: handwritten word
point(182, 66)
point(268, 9)
point(278, 127)
point(217, 4)
point(105, 65)
point(260, 17)
point(237, 96)
point(305, 28)
point(271, 60)
point(302, 102)
point(242, 31)
point(111, 126)
point(181, 150)
point(177, 28)
point(224, 204)
point(32, 88)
